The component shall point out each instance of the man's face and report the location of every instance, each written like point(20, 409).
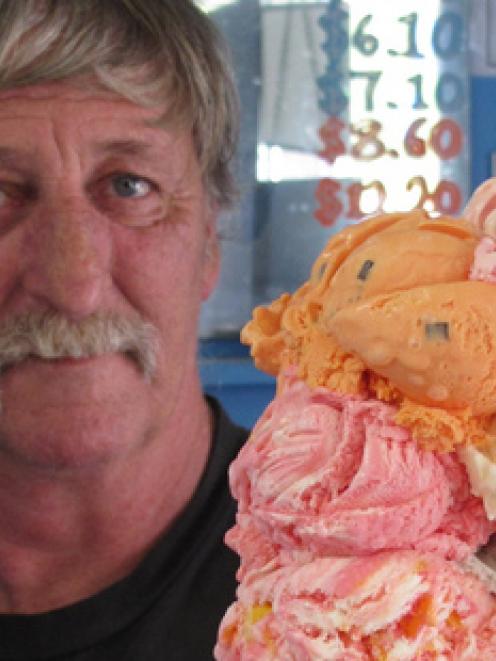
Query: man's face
point(100, 214)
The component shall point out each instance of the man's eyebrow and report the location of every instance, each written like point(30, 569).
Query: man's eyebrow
point(14, 159)
point(126, 148)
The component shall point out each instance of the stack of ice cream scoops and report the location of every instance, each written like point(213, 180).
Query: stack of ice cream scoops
point(367, 489)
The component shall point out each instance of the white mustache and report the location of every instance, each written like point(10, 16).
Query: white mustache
point(50, 335)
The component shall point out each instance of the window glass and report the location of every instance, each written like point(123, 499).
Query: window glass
point(349, 109)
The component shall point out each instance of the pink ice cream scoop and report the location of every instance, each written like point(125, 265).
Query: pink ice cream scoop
point(402, 606)
point(484, 266)
point(334, 475)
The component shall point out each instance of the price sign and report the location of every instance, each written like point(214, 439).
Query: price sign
point(395, 98)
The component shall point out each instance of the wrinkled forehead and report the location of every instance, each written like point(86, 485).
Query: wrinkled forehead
point(82, 118)
point(49, 99)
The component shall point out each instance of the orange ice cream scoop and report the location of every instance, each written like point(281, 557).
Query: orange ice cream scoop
point(389, 253)
point(436, 343)
point(406, 255)
point(390, 311)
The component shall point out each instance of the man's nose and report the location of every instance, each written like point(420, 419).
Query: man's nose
point(68, 257)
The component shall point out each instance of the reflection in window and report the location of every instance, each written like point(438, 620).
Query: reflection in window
point(404, 72)
point(334, 128)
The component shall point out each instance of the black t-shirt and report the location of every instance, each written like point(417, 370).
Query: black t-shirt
point(170, 607)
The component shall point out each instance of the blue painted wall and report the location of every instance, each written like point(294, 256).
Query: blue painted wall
point(483, 127)
point(228, 373)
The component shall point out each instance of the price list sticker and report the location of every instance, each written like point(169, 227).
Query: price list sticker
point(394, 95)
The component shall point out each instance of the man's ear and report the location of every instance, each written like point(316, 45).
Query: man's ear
point(212, 254)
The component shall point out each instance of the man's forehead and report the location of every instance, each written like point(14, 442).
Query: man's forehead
point(72, 103)
point(75, 88)
point(108, 122)
point(138, 148)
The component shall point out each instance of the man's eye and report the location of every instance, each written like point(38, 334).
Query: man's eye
point(130, 199)
point(14, 195)
point(127, 185)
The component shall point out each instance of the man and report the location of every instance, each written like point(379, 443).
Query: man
point(117, 125)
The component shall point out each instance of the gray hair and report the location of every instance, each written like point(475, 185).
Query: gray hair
point(152, 52)
point(51, 336)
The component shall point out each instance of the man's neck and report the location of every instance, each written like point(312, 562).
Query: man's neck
point(67, 536)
